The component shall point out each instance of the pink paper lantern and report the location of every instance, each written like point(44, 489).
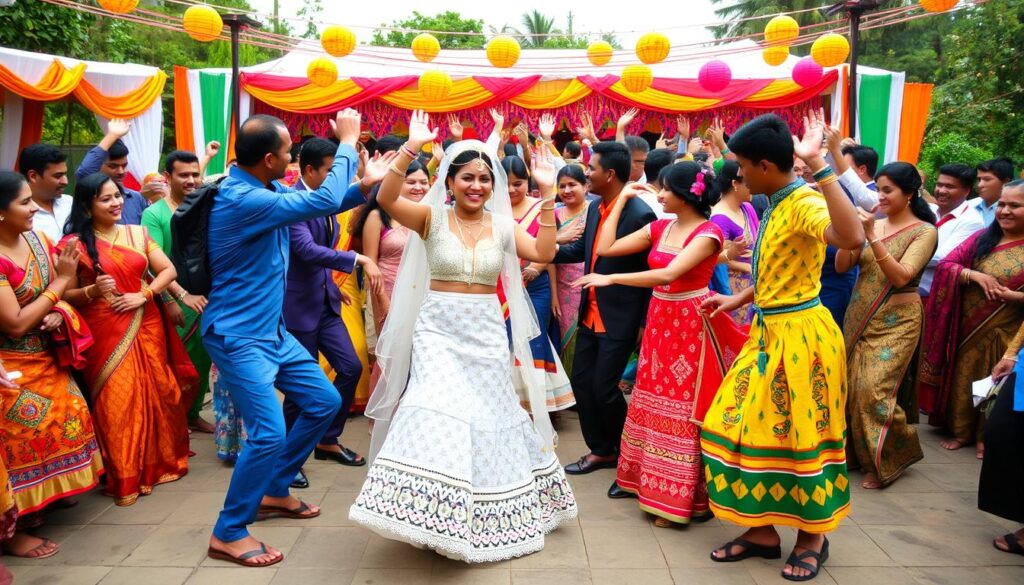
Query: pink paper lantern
point(807, 72)
point(715, 76)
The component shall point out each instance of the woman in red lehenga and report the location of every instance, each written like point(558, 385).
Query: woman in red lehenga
point(138, 373)
point(684, 353)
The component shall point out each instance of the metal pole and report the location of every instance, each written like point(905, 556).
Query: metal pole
point(236, 22)
point(855, 14)
point(236, 94)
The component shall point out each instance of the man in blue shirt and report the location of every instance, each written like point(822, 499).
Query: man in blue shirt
point(244, 331)
point(110, 157)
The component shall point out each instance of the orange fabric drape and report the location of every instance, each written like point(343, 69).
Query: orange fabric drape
point(307, 97)
point(845, 86)
point(56, 83)
point(660, 100)
point(917, 101)
point(129, 105)
point(556, 93)
point(184, 136)
point(466, 93)
point(31, 125)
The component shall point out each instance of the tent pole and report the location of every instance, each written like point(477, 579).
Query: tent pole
point(855, 14)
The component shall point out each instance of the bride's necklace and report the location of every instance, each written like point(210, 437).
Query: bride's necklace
point(476, 236)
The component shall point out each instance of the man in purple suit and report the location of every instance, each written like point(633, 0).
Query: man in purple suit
point(312, 301)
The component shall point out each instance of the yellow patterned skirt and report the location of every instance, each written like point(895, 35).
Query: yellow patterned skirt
point(774, 443)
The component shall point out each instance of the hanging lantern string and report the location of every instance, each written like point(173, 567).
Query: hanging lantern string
point(451, 33)
point(285, 43)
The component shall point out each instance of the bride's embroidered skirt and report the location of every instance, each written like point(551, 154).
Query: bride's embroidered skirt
point(462, 470)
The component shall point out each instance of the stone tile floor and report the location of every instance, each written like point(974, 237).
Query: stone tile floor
point(924, 529)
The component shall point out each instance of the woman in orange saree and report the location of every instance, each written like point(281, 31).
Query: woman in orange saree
point(139, 375)
point(48, 449)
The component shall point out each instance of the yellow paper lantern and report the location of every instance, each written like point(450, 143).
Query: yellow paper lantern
point(503, 51)
point(338, 41)
point(322, 72)
point(636, 78)
point(775, 56)
point(119, 6)
point(652, 47)
point(830, 50)
point(202, 23)
point(425, 47)
point(435, 85)
point(599, 52)
point(781, 30)
point(938, 5)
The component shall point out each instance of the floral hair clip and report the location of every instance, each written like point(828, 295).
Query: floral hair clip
point(698, 184)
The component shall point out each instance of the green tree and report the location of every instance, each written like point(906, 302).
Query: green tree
point(448, 22)
point(311, 10)
point(980, 90)
point(537, 29)
point(45, 28)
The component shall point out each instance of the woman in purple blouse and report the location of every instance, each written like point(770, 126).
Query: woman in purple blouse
point(736, 217)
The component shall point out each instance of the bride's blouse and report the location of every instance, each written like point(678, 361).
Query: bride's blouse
point(450, 260)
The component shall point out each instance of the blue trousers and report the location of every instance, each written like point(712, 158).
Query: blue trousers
point(331, 338)
point(251, 370)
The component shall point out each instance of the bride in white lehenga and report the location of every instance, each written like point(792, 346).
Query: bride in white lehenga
point(457, 465)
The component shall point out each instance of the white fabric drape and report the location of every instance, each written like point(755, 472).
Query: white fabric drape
point(13, 108)
point(146, 137)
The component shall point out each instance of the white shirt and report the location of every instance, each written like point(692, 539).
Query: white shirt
point(863, 196)
point(964, 223)
point(52, 224)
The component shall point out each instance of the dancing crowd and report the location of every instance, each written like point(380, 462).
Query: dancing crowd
point(738, 320)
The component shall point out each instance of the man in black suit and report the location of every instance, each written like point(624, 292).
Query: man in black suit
point(610, 317)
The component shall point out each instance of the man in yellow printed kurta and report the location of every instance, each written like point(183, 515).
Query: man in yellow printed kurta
point(774, 439)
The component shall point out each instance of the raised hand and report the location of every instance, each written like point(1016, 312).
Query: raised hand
point(809, 147)
point(420, 132)
point(542, 169)
point(717, 133)
point(437, 150)
point(118, 127)
point(346, 126)
point(834, 141)
point(212, 149)
point(499, 120)
point(661, 143)
point(546, 126)
point(695, 145)
point(627, 117)
point(683, 127)
point(586, 129)
point(455, 127)
point(376, 168)
point(867, 220)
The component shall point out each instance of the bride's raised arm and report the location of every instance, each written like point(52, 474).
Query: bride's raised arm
point(542, 248)
point(410, 214)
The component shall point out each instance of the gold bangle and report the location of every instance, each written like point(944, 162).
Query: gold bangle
point(879, 261)
point(828, 181)
point(542, 224)
point(54, 298)
point(393, 169)
point(965, 276)
point(86, 291)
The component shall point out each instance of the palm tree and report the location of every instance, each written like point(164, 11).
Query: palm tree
point(537, 29)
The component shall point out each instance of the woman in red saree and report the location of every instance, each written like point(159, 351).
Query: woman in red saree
point(684, 353)
point(140, 378)
point(975, 307)
point(48, 448)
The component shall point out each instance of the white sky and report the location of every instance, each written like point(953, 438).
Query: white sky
point(666, 16)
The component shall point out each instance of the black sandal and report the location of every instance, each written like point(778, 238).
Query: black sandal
point(795, 560)
point(1013, 546)
point(750, 550)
